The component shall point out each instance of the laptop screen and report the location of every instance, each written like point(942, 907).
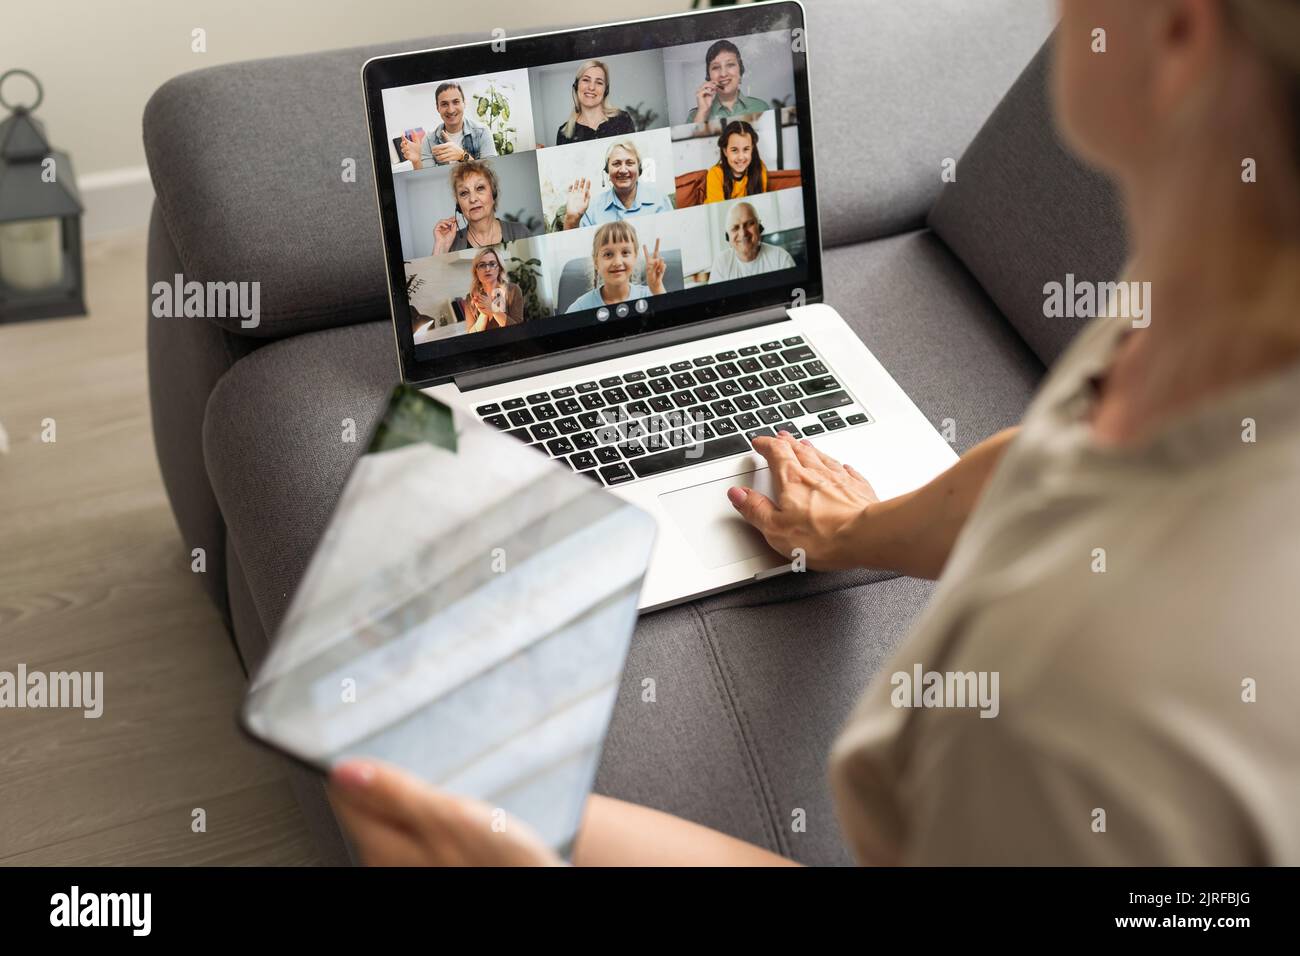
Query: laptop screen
point(544, 193)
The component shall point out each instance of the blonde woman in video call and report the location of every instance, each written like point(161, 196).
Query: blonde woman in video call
point(593, 117)
point(493, 302)
point(614, 253)
point(1122, 690)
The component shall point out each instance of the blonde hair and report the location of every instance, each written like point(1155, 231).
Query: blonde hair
point(476, 284)
point(604, 103)
point(1273, 28)
point(618, 231)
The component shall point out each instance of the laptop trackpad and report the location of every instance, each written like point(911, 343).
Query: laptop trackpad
point(717, 533)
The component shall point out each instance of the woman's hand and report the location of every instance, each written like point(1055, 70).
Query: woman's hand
point(444, 234)
point(704, 97)
point(655, 267)
point(576, 204)
point(816, 504)
point(396, 819)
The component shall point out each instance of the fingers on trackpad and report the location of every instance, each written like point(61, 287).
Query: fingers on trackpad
point(707, 520)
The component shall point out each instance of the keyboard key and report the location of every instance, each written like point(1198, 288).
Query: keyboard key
point(616, 474)
point(772, 377)
point(760, 433)
point(729, 388)
point(497, 421)
point(512, 403)
point(559, 446)
point(521, 434)
point(684, 380)
point(489, 409)
point(772, 360)
point(787, 427)
point(834, 424)
point(692, 455)
point(820, 403)
point(724, 407)
point(608, 435)
point(770, 346)
point(566, 392)
point(592, 400)
point(725, 426)
point(633, 449)
point(582, 461)
point(705, 375)
point(814, 430)
point(728, 370)
point(746, 402)
point(615, 396)
point(768, 397)
point(611, 381)
point(857, 418)
point(750, 350)
point(792, 410)
point(568, 406)
point(545, 411)
point(725, 356)
point(750, 365)
point(798, 355)
point(748, 420)
point(680, 366)
point(543, 431)
point(607, 454)
point(815, 385)
point(704, 360)
point(794, 373)
point(521, 417)
point(587, 387)
point(814, 368)
point(638, 390)
point(791, 393)
point(585, 440)
point(613, 415)
point(634, 376)
point(795, 340)
point(537, 397)
point(661, 403)
point(568, 426)
point(636, 409)
point(591, 419)
point(706, 393)
point(751, 383)
point(658, 371)
point(660, 386)
point(682, 399)
point(769, 416)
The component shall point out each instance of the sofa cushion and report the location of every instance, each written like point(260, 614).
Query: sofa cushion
point(1024, 212)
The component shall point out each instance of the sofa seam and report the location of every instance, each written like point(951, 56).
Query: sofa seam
point(753, 766)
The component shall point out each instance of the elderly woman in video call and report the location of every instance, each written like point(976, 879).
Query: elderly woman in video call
point(1120, 691)
point(614, 253)
point(456, 139)
point(476, 189)
point(739, 171)
point(627, 195)
point(493, 301)
point(593, 117)
point(719, 95)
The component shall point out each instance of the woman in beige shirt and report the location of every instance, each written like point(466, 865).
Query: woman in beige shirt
point(1124, 562)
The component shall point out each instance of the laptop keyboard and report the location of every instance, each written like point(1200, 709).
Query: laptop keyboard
point(651, 420)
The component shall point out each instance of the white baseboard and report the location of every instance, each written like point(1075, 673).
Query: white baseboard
point(117, 200)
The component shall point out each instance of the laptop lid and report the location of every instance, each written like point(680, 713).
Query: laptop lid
point(546, 193)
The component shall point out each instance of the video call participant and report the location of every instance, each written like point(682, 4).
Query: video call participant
point(476, 188)
point(719, 95)
point(614, 257)
point(593, 117)
point(626, 195)
point(740, 171)
point(456, 139)
point(493, 302)
point(748, 254)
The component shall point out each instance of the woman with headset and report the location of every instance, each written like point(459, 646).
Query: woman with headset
point(1174, 445)
point(592, 116)
point(627, 194)
point(475, 186)
point(740, 170)
point(614, 262)
point(493, 302)
point(719, 95)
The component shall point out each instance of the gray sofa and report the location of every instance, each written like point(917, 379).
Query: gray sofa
point(943, 281)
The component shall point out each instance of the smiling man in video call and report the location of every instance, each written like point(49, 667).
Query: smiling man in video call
point(748, 254)
point(626, 196)
point(456, 139)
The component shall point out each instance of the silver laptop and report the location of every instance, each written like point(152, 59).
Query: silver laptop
point(604, 242)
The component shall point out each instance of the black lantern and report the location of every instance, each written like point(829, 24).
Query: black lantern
point(40, 219)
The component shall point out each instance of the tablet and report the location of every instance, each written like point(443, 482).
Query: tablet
point(466, 616)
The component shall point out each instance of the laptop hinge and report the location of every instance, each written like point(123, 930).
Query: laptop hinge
point(587, 355)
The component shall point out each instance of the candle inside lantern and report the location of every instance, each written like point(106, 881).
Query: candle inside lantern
point(31, 255)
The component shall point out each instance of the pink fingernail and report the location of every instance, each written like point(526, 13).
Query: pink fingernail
point(353, 775)
point(737, 496)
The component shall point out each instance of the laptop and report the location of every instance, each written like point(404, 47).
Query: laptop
point(604, 242)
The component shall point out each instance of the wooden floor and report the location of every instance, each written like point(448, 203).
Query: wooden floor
point(94, 577)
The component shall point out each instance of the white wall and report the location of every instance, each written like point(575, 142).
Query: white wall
point(100, 60)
